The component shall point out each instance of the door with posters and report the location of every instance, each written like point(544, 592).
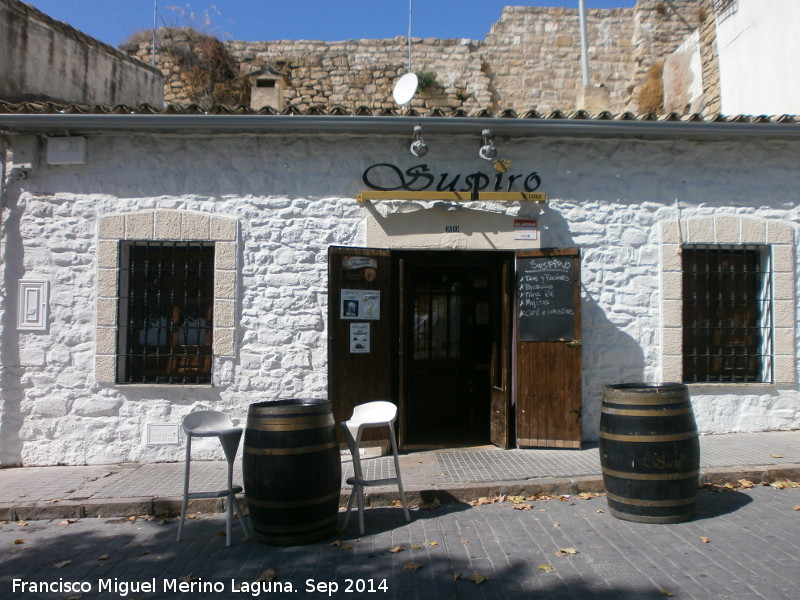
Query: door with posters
point(548, 357)
point(362, 351)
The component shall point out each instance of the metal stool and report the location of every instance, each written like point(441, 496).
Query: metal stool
point(372, 414)
point(209, 423)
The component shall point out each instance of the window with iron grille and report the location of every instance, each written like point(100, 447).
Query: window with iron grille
point(165, 320)
point(727, 310)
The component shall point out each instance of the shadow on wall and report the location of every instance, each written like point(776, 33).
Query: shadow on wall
point(609, 354)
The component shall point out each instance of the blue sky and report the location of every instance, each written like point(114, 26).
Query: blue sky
point(112, 21)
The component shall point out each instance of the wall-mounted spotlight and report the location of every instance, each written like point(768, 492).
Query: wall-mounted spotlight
point(418, 146)
point(488, 151)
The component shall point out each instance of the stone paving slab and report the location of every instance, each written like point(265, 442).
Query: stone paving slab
point(742, 545)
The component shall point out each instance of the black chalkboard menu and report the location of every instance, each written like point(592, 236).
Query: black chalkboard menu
point(546, 296)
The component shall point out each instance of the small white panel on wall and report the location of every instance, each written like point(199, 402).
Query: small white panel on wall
point(66, 150)
point(32, 303)
point(162, 433)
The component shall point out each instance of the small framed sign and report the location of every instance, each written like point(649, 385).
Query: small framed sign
point(32, 305)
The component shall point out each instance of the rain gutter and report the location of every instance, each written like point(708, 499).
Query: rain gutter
point(511, 127)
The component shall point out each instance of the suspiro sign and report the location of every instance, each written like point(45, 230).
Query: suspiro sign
point(387, 177)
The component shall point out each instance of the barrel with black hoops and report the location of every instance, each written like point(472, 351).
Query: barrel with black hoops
point(649, 452)
point(292, 471)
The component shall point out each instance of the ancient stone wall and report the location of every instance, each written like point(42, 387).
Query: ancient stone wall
point(530, 60)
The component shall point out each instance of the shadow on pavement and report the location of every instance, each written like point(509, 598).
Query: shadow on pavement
point(140, 559)
point(712, 504)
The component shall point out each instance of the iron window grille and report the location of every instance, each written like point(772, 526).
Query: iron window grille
point(165, 312)
point(727, 314)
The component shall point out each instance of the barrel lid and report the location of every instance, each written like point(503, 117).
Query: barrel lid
point(290, 402)
point(645, 387)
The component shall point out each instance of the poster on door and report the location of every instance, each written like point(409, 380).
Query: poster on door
point(359, 338)
point(360, 304)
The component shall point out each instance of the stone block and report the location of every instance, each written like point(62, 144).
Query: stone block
point(699, 231)
point(105, 369)
point(224, 342)
point(107, 283)
point(754, 231)
point(39, 511)
point(117, 507)
point(224, 313)
point(139, 226)
point(167, 225)
point(111, 227)
point(108, 254)
point(225, 255)
point(225, 285)
point(195, 227)
point(726, 229)
point(105, 340)
point(779, 233)
point(223, 229)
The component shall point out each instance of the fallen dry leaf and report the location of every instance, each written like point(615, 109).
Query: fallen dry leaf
point(18, 541)
point(478, 578)
point(336, 543)
point(434, 544)
point(412, 566)
point(600, 511)
point(588, 495)
point(547, 568)
point(704, 539)
point(777, 456)
point(784, 484)
point(666, 593)
point(797, 507)
point(522, 507)
point(565, 551)
point(267, 576)
point(556, 524)
point(188, 578)
point(416, 546)
point(396, 549)
point(746, 484)
point(61, 564)
point(103, 557)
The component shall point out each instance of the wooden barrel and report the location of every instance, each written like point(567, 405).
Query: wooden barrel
point(649, 452)
point(292, 471)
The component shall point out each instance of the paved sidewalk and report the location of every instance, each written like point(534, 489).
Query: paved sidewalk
point(448, 475)
point(742, 545)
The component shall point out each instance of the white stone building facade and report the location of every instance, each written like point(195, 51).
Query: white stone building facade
point(273, 198)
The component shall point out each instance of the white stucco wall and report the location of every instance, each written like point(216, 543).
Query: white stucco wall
point(758, 48)
point(293, 197)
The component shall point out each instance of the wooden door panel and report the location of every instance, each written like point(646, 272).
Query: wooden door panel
point(548, 371)
point(500, 369)
point(358, 377)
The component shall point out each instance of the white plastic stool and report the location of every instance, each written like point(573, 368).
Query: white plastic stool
point(209, 423)
point(372, 414)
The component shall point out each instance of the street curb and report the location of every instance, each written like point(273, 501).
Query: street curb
point(419, 495)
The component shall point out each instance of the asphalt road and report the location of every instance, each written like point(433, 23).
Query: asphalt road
point(742, 545)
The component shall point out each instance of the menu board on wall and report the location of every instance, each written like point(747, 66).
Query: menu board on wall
point(546, 298)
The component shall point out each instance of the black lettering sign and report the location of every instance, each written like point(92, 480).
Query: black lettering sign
point(545, 291)
point(387, 177)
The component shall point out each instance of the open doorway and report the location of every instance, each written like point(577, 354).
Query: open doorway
point(452, 340)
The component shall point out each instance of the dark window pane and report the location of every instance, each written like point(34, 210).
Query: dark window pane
point(166, 312)
point(722, 308)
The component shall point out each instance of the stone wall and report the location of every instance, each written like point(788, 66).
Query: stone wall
point(530, 60)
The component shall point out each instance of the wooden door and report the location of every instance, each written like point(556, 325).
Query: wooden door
point(548, 362)
point(361, 320)
point(499, 373)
